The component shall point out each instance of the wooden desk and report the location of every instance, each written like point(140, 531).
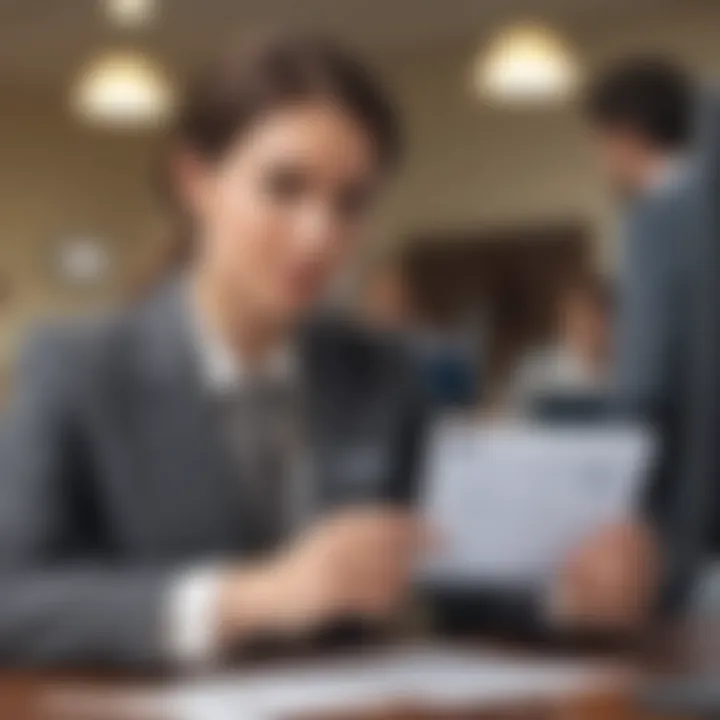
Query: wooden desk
point(23, 699)
point(28, 695)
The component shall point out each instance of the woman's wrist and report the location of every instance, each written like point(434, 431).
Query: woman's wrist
point(248, 603)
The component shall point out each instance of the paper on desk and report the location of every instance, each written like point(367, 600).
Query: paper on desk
point(425, 676)
point(510, 502)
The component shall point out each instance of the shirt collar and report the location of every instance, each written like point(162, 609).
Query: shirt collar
point(668, 175)
point(222, 370)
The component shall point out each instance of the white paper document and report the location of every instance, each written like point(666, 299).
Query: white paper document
point(425, 677)
point(510, 502)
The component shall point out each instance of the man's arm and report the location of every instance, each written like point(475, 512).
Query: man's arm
point(651, 311)
point(656, 319)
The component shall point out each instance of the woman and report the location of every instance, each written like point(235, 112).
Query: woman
point(164, 471)
point(146, 492)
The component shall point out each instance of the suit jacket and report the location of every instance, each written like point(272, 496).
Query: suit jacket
point(113, 480)
point(663, 300)
point(655, 296)
point(695, 528)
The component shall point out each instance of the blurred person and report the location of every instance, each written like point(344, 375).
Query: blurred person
point(577, 364)
point(642, 112)
point(449, 360)
point(608, 582)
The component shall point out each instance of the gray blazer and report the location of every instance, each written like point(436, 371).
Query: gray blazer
point(693, 523)
point(112, 478)
point(662, 301)
point(654, 296)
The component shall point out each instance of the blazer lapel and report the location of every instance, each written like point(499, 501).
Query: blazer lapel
point(180, 442)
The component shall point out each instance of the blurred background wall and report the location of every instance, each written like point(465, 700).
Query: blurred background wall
point(472, 168)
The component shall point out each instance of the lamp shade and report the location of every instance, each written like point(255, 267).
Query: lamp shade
point(130, 13)
point(123, 89)
point(526, 62)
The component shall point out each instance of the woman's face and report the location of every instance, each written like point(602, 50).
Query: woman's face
point(284, 207)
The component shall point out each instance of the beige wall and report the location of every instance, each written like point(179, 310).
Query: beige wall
point(58, 180)
point(469, 166)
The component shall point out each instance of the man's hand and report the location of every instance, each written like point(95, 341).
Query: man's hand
point(355, 564)
point(611, 581)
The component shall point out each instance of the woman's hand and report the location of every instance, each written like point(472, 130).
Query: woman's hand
point(610, 582)
point(355, 564)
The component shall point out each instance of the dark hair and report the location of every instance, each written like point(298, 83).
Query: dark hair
point(272, 71)
point(276, 70)
point(649, 96)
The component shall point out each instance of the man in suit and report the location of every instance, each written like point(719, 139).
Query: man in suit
point(642, 114)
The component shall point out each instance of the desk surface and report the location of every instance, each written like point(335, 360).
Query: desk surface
point(27, 695)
